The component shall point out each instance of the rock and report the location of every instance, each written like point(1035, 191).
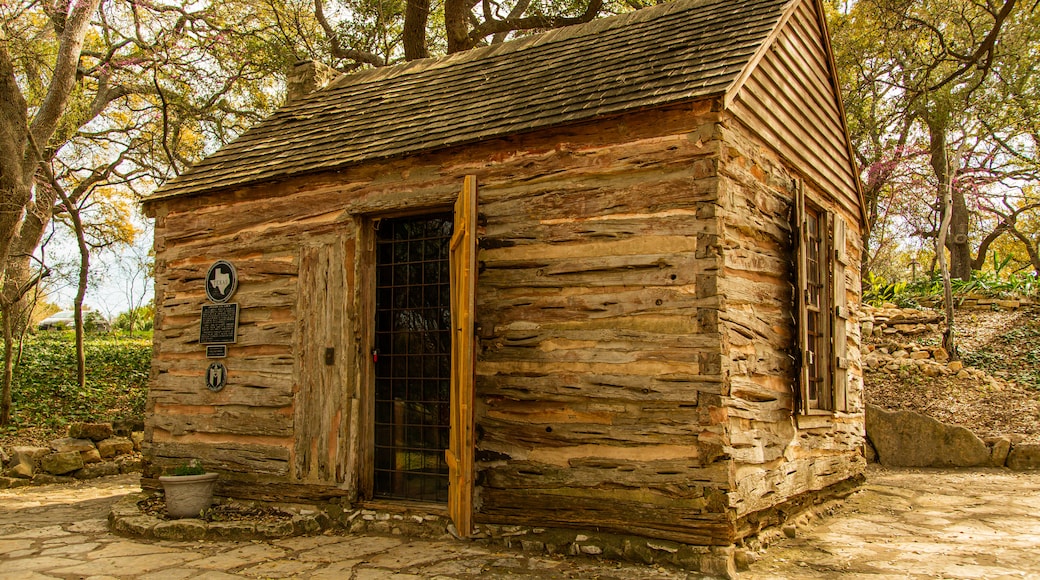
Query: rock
point(67, 444)
point(91, 456)
point(4, 457)
point(20, 470)
point(137, 437)
point(907, 439)
point(183, 530)
point(92, 431)
point(114, 446)
point(276, 529)
point(790, 531)
point(955, 366)
point(932, 370)
point(939, 353)
point(998, 450)
point(744, 559)
point(140, 526)
point(9, 482)
point(235, 531)
point(899, 354)
point(921, 354)
point(868, 452)
point(62, 463)
point(1024, 457)
point(129, 464)
point(866, 327)
point(97, 470)
point(29, 454)
point(963, 374)
point(46, 478)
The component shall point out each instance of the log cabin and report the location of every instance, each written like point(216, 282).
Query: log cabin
point(603, 277)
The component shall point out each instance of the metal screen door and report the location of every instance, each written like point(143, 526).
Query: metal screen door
point(412, 358)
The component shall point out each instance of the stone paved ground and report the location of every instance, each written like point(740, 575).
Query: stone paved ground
point(903, 524)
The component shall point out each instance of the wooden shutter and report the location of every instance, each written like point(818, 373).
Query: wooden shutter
point(840, 313)
point(801, 299)
point(463, 292)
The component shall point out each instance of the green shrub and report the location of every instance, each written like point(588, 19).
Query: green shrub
point(45, 392)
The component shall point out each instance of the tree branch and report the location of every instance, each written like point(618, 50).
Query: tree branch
point(338, 50)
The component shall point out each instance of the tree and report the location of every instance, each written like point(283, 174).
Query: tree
point(946, 91)
point(379, 32)
point(121, 94)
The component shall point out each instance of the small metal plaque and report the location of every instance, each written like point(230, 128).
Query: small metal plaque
point(216, 377)
point(219, 323)
point(221, 281)
point(216, 351)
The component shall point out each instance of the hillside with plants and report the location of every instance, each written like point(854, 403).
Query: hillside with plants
point(47, 396)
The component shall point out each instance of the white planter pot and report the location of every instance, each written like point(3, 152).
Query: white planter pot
point(188, 495)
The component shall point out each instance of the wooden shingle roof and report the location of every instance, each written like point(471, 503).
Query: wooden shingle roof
point(678, 51)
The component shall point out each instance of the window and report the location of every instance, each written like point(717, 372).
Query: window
point(822, 312)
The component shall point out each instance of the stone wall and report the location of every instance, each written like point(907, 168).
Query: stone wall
point(90, 450)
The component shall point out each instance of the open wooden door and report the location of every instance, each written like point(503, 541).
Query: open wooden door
point(463, 293)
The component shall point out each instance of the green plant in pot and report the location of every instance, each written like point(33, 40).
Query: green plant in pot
point(189, 489)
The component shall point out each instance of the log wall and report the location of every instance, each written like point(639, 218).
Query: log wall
point(630, 311)
point(776, 456)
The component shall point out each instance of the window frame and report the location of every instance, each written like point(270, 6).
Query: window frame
point(821, 257)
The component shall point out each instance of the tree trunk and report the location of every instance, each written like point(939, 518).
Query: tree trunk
point(416, 15)
point(960, 248)
point(456, 26)
point(940, 163)
point(81, 291)
point(955, 213)
point(5, 401)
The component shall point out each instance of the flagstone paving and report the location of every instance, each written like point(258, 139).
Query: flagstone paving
point(902, 524)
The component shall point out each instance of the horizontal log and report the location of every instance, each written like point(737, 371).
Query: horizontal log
point(233, 419)
point(224, 456)
point(640, 512)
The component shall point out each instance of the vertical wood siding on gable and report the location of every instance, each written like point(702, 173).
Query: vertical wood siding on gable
point(790, 102)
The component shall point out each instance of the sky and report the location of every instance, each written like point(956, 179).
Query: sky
point(117, 274)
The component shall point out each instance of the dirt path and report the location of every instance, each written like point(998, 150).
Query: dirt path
point(902, 524)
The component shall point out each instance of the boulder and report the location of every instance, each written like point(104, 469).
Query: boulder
point(4, 457)
point(62, 463)
point(66, 444)
point(92, 431)
point(114, 446)
point(907, 439)
point(1024, 457)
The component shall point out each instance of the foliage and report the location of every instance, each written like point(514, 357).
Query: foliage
point(141, 319)
point(46, 393)
point(1018, 358)
point(193, 467)
point(941, 94)
point(877, 290)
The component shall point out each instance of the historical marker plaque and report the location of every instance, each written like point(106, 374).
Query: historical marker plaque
point(219, 323)
point(221, 281)
point(216, 377)
point(216, 351)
